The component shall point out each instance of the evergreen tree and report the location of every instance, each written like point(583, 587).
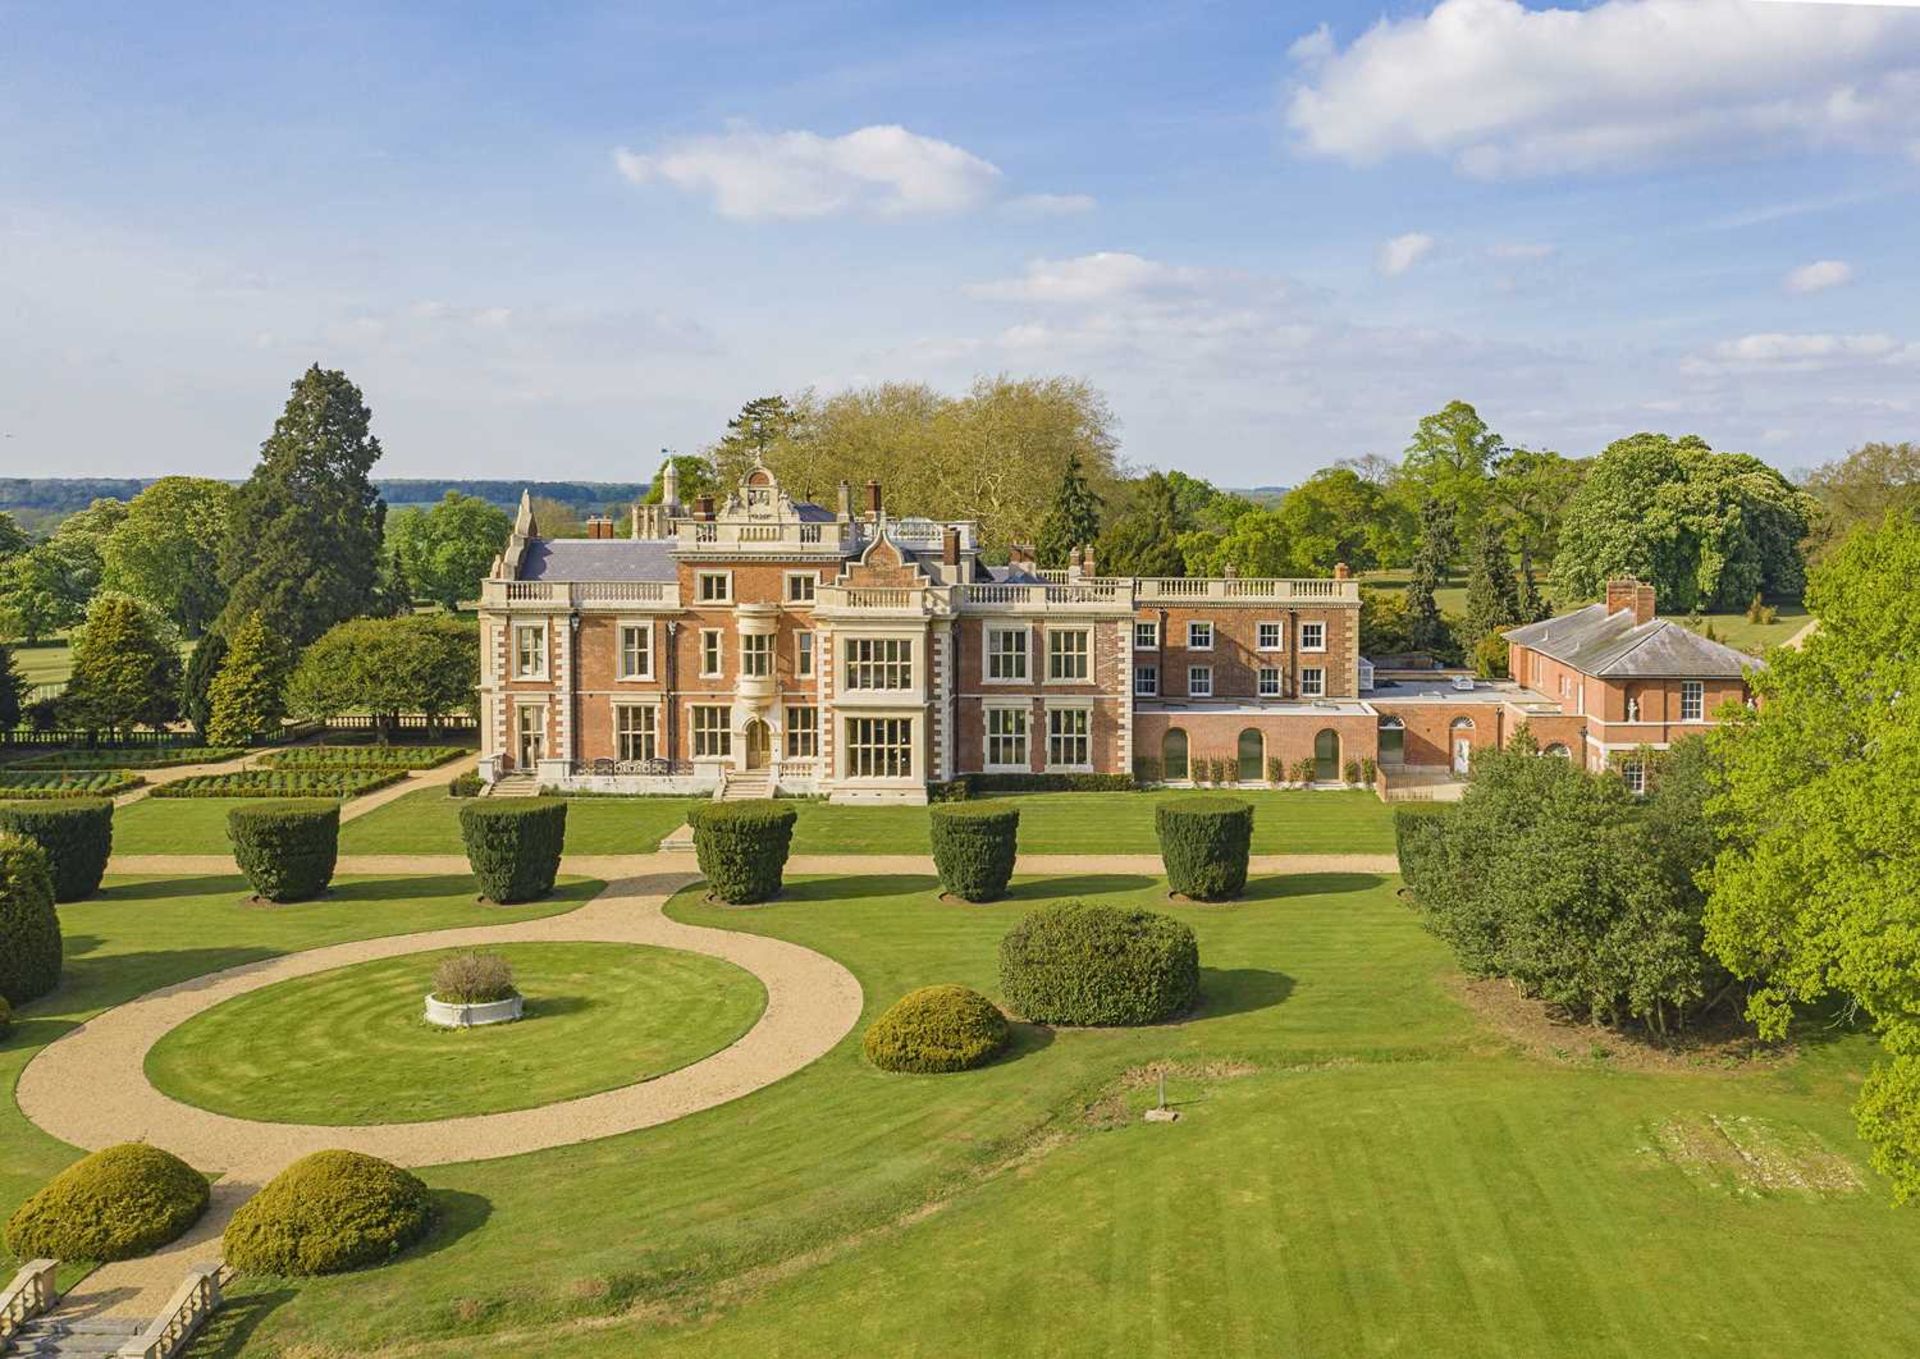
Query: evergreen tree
point(1439, 536)
point(13, 690)
point(1074, 520)
point(126, 668)
point(1532, 608)
point(1426, 630)
point(196, 690)
point(303, 539)
point(1145, 541)
point(1492, 603)
point(393, 586)
point(248, 696)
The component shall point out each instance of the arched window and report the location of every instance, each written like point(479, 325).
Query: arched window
point(1559, 751)
point(1173, 754)
point(1326, 756)
point(1462, 724)
point(1253, 756)
point(1393, 741)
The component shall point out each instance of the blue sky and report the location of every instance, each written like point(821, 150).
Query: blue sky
point(548, 241)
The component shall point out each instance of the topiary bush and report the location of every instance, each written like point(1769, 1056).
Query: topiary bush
point(115, 1204)
point(30, 946)
point(936, 1028)
point(76, 833)
point(742, 847)
point(974, 846)
point(6, 1017)
point(327, 1213)
point(1077, 963)
point(473, 978)
point(1204, 843)
point(465, 785)
point(287, 849)
point(514, 847)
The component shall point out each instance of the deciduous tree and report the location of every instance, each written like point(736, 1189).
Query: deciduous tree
point(388, 667)
point(446, 550)
point(166, 550)
point(1450, 459)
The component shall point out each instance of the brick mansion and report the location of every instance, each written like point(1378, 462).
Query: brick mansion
point(766, 644)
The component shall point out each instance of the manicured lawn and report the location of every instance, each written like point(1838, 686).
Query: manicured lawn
point(1736, 631)
point(428, 822)
point(185, 825)
point(1361, 1169)
point(350, 1046)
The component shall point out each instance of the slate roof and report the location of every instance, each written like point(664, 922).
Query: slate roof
point(1613, 646)
point(589, 559)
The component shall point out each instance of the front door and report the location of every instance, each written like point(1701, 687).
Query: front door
point(1462, 754)
point(759, 744)
point(532, 743)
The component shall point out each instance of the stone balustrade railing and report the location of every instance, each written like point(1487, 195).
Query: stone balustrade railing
point(29, 1295)
point(579, 594)
point(185, 1313)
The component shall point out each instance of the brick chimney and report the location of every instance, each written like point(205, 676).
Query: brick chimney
point(1086, 561)
point(599, 526)
point(1633, 596)
point(873, 499)
point(950, 546)
point(703, 507)
point(1341, 571)
point(846, 502)
point(1020, 554)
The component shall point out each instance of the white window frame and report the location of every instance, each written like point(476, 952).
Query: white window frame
point(710, 741)
point(1693, 695)
point(756, 654)
point(1313, 636)
point(713, 645)
point(890, 758)
point(804, 647)
point(1146, 636)
point(802, 737)
point(536, 667)
point(647, 733)
point(1634, 774)
point(1313, 681)
point(1197, 628)
point(1268, 682)
point(1073, 716)
point(1082, 654)
point(807, 582)
point(890, 660)
point(700, 579)
point(1146, 681)
point(1023, 653)
point(1013, 739)
point(1199, 681)
point(1279, 642)
point(645, 632)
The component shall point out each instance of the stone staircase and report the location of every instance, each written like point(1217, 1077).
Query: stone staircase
point(72, 1337)
point(744, 785)
point(515, 785)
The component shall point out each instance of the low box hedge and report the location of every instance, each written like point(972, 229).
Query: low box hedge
point(147, 757)
point(1076, 963)
point(994, 785)
point(337, 783)
point(514, 847)
point(326, 1213)
point(974, 847)
point(362, 757)
point(120, 1202)
point(30, 945)
point(286, 849)
point(742, 847)
point(1204, 844)
point(22, 786)
point(936, 1028)
point(76, 833)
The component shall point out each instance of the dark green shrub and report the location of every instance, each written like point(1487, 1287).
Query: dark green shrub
point(937, 1028)
point(465, 785)
point(337, 783)
point(974, 845)
point(76, 833)
point(742, 847)
point(514, 847)
point(286, 849)
point(30, 947)
point(6, 1017)
point(1076, 963)
point(1420, 841)
point(1204, 843)
point(362, 757)
point(67, 783)
point(991, 785)
point(327, 1213)
point(115, 1204)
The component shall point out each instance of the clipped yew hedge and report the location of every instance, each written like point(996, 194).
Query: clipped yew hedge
point(362, 757)
point(514, 847)
point(974, 846)
point(327, 1213)
point(113, 1205)
point(76, 833)
point(1204, 843)
point(1076, 963)
point(338, 783)
point(936, 1028)
point(30, 945)
point(287, 849)
point(742, 847)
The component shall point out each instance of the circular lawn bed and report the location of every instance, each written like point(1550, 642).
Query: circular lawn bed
point(351, 1046)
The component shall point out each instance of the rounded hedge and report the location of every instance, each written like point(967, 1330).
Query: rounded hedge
point(77, 835)
point(974, 846)
point(30, 946)
point(742, 847)
point(115, 1204)
point(1076, 963)
point(936, 1028)
point(514, 847)
point(287, 848)
point(1204, 843)
point(326, 1213)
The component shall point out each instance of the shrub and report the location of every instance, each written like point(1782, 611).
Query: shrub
point(337, 783)
point(514, 847)
point(1305, 769)
point(991, 785)
point(1369, 770)
point(76, 833)
point(1204, 843)
point(465, 785)
point(115, 1204)
point(326, 1213)
point(936, 1028)
point(473, 979)
point(1148, 769)
point(362, 757)
point(30, 947)
point(21, 785)
point(1076, 963)
point(6, 1017)
point(145, 757)
point(742, 848)
point(286, 849)
point(974, 844)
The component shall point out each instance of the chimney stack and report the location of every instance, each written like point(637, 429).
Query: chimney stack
point(599, 526)
point(846, 502)
point(873, 499)
point(1020, 554)
point(1341, 571)
point(1086, 561)
point(703, 508)
point(950, 546)
point(1632, 596)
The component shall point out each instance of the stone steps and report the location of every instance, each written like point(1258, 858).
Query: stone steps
point(72, 1337)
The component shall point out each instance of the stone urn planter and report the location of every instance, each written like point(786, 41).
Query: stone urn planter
point(454, 1015)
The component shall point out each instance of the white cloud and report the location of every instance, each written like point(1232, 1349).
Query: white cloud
point(1099, 277)
point(1050, 205)
point(883, 171)
point(1403, 252)
point(1501, 89)
point(1818, 276)
point(1521, 250)
point(1780, 351)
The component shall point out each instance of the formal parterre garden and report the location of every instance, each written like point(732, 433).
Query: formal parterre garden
point(15, 783)
point(326, 782)
point(140, 757)
point(361, 757)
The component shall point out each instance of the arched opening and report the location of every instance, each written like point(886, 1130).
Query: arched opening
point(1461, 729)
point(1393, 741)
point(1253, 756)
point(759, 744)
point(1326, 756)
point(1558, 751)
point(1173, 754)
